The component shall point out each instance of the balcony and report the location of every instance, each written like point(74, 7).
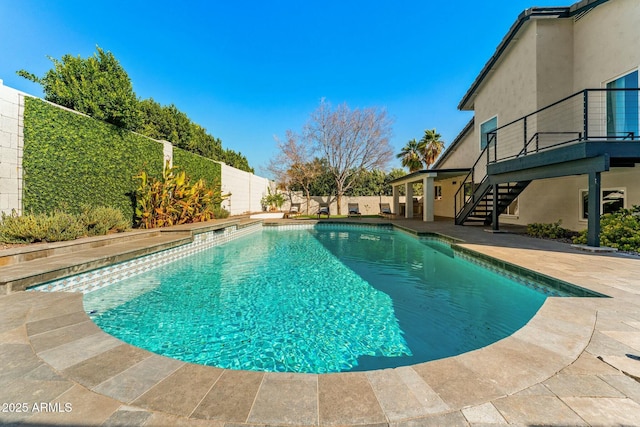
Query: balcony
point(585, 133)
point(588, 124)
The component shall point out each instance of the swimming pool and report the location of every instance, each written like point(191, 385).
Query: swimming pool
point(315, 300)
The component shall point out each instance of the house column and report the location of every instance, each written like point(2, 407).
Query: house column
point(396, 200)
point(428, 198)
point(494, 212)
point(408, 206)
point(167, 153)
point(593, 221)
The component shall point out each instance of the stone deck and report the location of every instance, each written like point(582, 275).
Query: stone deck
point(574, 363)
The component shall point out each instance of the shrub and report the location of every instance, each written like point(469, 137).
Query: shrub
point(32, 228)
point(63, 226)
point(220, 212)
point(23, 229)
point(619, 230)
point(101, 220)
point(548, 231)
point(174, 200)
point(58, 226)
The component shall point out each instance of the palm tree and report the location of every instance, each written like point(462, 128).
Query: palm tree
point(411, 156)
point(430, 147)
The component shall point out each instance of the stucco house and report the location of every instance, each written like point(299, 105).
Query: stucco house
point(555, 134)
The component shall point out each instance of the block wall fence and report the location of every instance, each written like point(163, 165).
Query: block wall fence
point(11, 139)
point(246, 188)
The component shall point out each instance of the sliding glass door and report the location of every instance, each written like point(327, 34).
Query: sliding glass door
point(622, 107)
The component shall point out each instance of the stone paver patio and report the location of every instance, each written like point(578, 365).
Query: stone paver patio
point(572, 364)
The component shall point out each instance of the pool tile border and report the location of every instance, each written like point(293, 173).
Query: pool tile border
point(537, 281)
point(105, 276)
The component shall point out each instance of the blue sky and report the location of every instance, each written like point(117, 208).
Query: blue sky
point(249, 70)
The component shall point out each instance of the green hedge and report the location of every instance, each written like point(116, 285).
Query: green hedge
point(197, 167)
point(72, 160)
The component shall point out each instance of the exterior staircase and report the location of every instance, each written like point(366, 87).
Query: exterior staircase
point(479, 206)
point(577, 135)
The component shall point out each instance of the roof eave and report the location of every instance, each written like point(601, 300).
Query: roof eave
point(414, 176)
point(451, 148)
point(558, 12)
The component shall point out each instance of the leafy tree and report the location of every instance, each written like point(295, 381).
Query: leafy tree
point(411, 156)
point(164, 122)
point(430, 146)
point(237, 160)
point(170, 124)
point(369, 183)
point(324, 184)
point(350, 141)
point(153, 122)
point(100, 87)
point(97, 86)
point(208, 146)
point(395, 173)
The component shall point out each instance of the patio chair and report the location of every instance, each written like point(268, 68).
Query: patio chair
point(323, 210)
point(385, 210)
point(353, 209)
point(294, 210)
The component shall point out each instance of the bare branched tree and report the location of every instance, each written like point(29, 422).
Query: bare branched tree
point(350, 141)
point(293, 165)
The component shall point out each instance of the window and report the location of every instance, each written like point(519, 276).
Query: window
point(622, 107)
point(485, 128)
point(437, 192)
point(612, 200)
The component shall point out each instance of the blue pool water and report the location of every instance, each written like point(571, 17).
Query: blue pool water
point(320, 300)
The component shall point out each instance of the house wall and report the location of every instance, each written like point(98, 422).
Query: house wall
point(549, 60)
point(445, 206)
point(510, 90)
point(465, 154)
point(554, 63)
point(11, 143)
point(606, 43)
point(550, 200)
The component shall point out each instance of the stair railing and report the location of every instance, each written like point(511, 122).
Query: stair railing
point(536, 137)
point(585, 111)
point(479, 168)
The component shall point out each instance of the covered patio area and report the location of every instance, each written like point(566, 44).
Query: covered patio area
point(427, 178)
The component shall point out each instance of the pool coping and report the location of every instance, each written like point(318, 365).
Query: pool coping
point(54, 326)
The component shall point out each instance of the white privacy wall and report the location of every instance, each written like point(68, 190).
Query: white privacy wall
point(11, 142)
point(246, 190)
